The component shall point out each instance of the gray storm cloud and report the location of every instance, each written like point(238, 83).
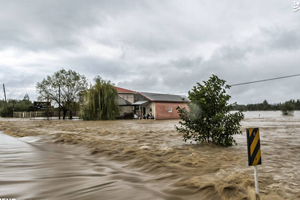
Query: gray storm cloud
point(154, 46)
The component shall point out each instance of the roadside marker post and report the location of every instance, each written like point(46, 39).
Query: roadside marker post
point(254, 152)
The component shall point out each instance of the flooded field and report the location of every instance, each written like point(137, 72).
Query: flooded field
point(144, 159)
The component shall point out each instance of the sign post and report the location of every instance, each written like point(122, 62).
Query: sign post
point(42, 105)
point(256, 180)
point(254, 153)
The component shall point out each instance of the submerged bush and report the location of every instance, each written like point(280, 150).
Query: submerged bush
point(208, 118)
point(287, 108)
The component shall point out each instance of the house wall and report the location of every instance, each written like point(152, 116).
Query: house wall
point(126, 109)
point(162, 110)
point(150, 108)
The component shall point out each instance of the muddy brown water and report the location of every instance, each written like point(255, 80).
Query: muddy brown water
point(133, 159)
point(33, 169)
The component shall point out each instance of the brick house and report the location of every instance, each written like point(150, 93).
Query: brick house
point(161, 106)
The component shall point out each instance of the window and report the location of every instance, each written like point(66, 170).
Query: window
point(138, 97)
point(170, 109)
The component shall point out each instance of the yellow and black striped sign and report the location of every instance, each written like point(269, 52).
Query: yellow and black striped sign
point(253, 143)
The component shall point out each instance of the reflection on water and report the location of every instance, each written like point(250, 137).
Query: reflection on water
point(33, 169)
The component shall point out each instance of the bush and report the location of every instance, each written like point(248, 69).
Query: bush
point(208, 118)
point(287, 108)
point(6, 111)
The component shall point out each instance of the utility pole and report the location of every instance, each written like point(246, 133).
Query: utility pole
point(59, 101)
point(4, 92)
point(48, 108)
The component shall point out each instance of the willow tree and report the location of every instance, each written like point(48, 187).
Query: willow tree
point(100, 102)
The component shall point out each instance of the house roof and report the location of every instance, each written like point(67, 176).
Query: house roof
point(164, 97)
point(123, 90)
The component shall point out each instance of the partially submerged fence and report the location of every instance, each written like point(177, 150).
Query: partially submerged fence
point(45, 114)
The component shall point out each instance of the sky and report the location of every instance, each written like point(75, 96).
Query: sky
point(153, 45)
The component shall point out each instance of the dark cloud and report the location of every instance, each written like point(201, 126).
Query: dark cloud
point(155, 46)
point(39, 25)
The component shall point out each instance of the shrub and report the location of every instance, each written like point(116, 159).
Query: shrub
point(208, 118)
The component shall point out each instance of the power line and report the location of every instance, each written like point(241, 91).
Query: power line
point(263, 80)
point(237, 84)
point(270, 79)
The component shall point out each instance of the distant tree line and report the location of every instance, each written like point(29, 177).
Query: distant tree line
point(285, 107)
point(7, 108)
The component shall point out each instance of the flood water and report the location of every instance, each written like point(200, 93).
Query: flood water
point(144, 159)
point(31, 168)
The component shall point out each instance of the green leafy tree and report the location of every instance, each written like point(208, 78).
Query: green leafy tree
point(100, 101)
point(68, 83)
point(287, 108)
point(208, 118)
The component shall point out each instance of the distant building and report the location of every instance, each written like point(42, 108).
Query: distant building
point(154, 105)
